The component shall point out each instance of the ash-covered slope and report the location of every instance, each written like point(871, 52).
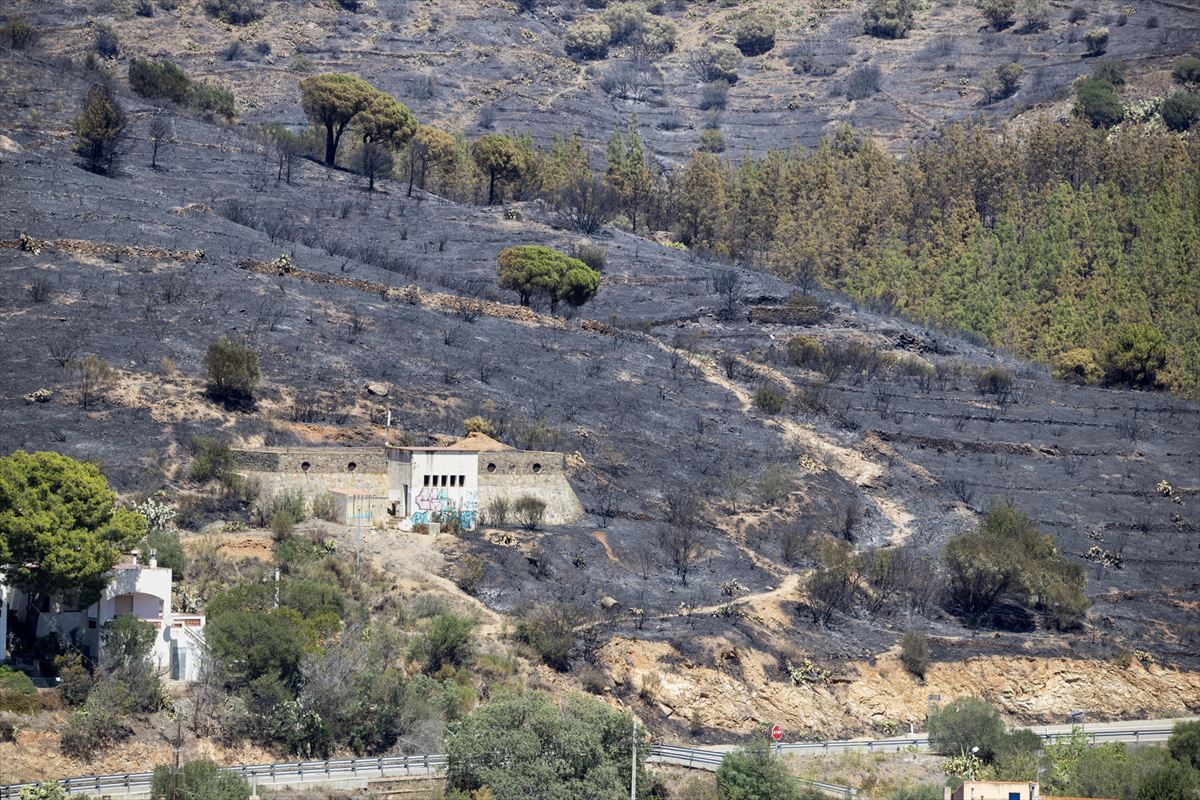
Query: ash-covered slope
point(474, 66)
point(650, 388)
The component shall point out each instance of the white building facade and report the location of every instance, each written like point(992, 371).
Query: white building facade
point(141, 590)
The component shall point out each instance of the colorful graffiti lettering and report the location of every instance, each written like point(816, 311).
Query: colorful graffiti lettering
point(437, 504)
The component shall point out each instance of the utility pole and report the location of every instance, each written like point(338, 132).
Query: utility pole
point(633, 767)
point(276, 587)
point(176, 745)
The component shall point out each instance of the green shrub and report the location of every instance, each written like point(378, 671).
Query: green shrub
point(755, 34)
point(550, 631)
point(999, 13)
point(718, 61)
point(254, 644)
point(805, 351)
point(1003, 81)
point(712, 141)
point(1181, 110)
point(75, 682)
point(1007, 559)
point(107, 44)
point(1098, 102)
point(625, 21)
point(1187, 70)
point(1134, 355)
point(1184, 743)
point(1171, 782)
point(1078, 366)
point(751, 773)
point(97, 724)
point(1096, 40)
point(199, 779)
point(529, 511)
point(914, 653)
point(233, 372)
point(43, 790)
point(925, 791)
point(994, 380)
point(769, 400)
point(20, 34)
point(324, 507)
point(283, 525)
point(168, 550)
point(213, 101)
point(235, 12)
point(775, 485)
point(888, 19)
point(588, 39)
point(593, 255)
point(966, 723)
point(211, 458)
point(447, 641)
point(1111, 70)
point(160, 80)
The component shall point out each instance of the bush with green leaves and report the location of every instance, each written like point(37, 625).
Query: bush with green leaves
point(1078, 365)
point(769, 400)
point(717, 61)
point(233, 372)
point(159, 80)
point(1133, 355)
point(588, 39)
point(1111, 70)
point(924, 791)
point(1008, 560)
point(235, 12)
point(1184, 744)
point(1098, 102)
point(754, 34)
point(994, 380)
point(448, 640)
point(752, 773)
point(503, 745)
point(966, 723)
point(1173, 781)
point(888, 19)
point(1187, 70)
point(999, 13)
point(211, 458)
point(202, 780)
point(17, 691)
point(44, 790)
point(98, 722)
point(550, 630)
point(594, 255)
point(914, 653)
point(254, 644)
point(20, 34)
point(106, 42)
point(1003, 81)
point(1096, 41)
point(1181, 111)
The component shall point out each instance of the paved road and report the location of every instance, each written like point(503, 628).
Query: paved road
point(1145, 730)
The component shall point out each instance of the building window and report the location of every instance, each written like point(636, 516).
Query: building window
point(537, 467)
point(351, 467)
point(491, 467)
point(454, 480)
point(462, 480)
point(445, 479)
point(304, 465)
point(426, 480)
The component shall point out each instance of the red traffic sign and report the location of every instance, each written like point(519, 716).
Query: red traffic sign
point(776, 732)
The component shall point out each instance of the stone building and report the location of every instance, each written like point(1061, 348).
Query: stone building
point(407, 486)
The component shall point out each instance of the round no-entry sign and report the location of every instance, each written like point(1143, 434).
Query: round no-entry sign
point(776, 732)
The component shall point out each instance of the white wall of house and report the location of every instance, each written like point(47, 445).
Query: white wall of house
point(140, 590)
point(3, 622)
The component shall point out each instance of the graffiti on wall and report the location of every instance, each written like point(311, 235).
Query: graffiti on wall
point(436, 505)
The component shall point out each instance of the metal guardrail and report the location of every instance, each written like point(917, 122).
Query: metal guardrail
point(301, 772)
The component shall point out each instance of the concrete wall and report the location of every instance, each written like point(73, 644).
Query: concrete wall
point(315, 470)
point(513, 473)
point(992, 790)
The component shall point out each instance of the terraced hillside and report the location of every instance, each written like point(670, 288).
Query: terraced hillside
point(476, 66)
point(651, 388)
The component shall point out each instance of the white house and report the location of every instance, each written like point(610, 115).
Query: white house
point(141, 590)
